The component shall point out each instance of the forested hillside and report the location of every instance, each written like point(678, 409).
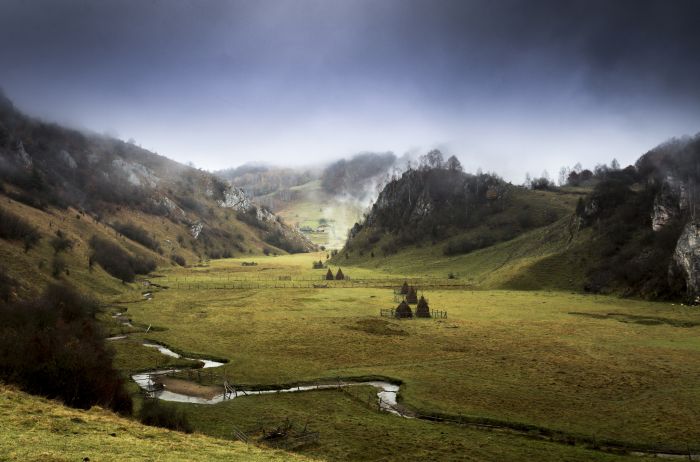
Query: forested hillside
point(631, 231)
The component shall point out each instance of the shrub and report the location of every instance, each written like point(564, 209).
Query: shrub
point(138, 234)
point(117, 261)
point(53, 346)
point(58, 266)
point(155, 414)
point(7, 286)
point(279, 240)
point(471, 243)
point(178, 259)
point(14, 227)
point(250, 217)
point(60, 242)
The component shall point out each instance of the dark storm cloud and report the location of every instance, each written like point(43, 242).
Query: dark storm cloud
point(224, 82)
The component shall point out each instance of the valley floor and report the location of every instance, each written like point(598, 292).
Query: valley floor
point(599, 369)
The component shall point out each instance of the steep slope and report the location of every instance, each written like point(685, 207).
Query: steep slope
point(632, 231)
point(33, 428)
point(61, 180)
point(645, 220)
point(453, 212)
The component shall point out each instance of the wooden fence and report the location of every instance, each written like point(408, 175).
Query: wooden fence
point(391, 313)
point(305, 283)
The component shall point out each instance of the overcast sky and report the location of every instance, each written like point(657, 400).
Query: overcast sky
point(509, 86)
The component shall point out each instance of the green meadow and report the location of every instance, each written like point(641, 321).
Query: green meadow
point(598, 369)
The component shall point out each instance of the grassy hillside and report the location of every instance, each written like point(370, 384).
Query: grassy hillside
point(526, 240)
point(33, 428)
point(59, 180)
point(544, 258)
point(628, 231)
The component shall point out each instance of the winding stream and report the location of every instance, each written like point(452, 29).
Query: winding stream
point(386, 395)
point(386, 391)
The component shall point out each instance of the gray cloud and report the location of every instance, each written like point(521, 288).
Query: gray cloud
point(508, 85)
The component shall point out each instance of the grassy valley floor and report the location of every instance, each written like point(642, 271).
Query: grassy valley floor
point(604, 368)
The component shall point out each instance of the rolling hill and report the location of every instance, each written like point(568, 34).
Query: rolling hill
point(61, 187)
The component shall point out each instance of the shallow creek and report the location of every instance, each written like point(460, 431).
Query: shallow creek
point(386, 395)
point(386, 391)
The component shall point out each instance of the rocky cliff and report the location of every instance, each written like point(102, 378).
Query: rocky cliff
point(646, 226)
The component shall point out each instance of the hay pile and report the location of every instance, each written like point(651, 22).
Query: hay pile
point(412, 296)
point(422, 310)
point(403, 311)
point(339, 276)
point(329, 275)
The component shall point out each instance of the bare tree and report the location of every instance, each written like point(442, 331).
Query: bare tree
point(453, 164)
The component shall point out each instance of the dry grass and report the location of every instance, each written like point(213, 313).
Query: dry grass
point(35, 429)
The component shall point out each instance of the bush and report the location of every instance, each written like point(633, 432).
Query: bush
point(58, 266)
point(117, 261)
point(60, 242)
point(279, 240)
point(53, 346)
point(470, 244)
point(250, 217)
point(155, 414)
point(7, 286)
point(178, 259)
point(14, 227)
point(138, 234)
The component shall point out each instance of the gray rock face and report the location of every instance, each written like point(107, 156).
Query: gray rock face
point(196, 229)
point(664, 211)
point(423, 207)
point(136, 173)
point(687, 257)
point(24, 157)
point(670, 203)
point(236, 198)
point(67, 159)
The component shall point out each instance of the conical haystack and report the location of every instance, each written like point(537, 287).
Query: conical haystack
point(329, 275)
point(403, 311)
point(412, 296)
point(422, 310)
point(404, 288)
point(339, 276)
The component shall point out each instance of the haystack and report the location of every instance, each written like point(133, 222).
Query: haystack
point(339, 276)
point(404, 288)
point(403, 311)
point(422, 310)
point(412, 296)
point(329, 275)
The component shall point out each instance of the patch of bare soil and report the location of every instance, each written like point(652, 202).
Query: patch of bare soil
point(186, 387)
